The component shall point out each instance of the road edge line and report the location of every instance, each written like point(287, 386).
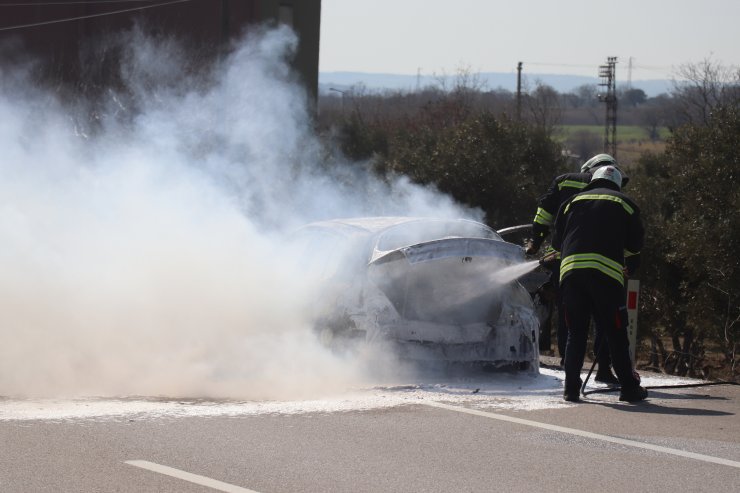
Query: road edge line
point(189, 477)
point(585, 434)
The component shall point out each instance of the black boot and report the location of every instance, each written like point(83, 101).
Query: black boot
point(605, 375)
point(572, 393)
point(633, 394)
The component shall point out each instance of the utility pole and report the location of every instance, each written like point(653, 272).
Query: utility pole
point(225, 34)
point(519, 91)
point(608, 80)
point(343, 93)
point(225, 21)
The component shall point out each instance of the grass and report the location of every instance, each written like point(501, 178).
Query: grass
point(625, 133)
point(632, 140)
point(629, 152)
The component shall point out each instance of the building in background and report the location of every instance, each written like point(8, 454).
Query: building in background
point(66, 35)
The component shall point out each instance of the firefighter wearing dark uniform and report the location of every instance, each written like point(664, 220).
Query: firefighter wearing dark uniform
point(595, 231)
point(561, 189)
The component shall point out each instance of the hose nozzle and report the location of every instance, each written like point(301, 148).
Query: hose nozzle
point(550, 258)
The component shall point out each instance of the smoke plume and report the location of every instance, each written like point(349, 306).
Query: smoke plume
point(141, 243)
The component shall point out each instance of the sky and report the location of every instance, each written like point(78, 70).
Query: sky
point(653, 37)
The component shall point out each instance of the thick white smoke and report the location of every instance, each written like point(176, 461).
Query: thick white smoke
point(141, 254)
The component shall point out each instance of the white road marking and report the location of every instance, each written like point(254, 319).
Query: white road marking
point(586, 434)
point(191, 478)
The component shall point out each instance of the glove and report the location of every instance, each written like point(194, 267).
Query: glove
point(550, 260)
point(530, 248)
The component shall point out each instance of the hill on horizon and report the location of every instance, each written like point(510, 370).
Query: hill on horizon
point(490, 80)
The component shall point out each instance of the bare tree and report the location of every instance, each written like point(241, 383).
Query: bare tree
point(465, 86)
point(702, 87)
point(652, 115)
point(544, 107)
point(588, 94)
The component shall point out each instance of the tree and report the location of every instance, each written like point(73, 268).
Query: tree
point(633, 97)
point(584, 144)
point(701, 88)
point(587, 93)
point(544, 109)
point(652, 115)
point(481, 160)
point(691, 267)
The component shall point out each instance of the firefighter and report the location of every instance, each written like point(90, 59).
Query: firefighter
point(594, 232)
point(561, 189)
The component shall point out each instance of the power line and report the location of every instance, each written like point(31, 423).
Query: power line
point(90, 16)
point(559, 64)
point(653, 68)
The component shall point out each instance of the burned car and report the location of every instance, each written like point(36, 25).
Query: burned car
point(429, 286)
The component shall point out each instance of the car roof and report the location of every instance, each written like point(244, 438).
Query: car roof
point(376, 224)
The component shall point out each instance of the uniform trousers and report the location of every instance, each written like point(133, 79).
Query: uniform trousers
point(589, 293)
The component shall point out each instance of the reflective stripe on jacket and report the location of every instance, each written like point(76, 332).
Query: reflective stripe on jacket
point(596, 229)
point(561, 189)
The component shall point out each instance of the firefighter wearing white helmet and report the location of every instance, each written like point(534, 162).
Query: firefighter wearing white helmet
point(600, 160)
point(599, 234)
point(561, 189)
point(610, 173)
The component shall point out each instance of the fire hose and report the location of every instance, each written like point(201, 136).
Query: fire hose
point(548, 261)
point(617, 388)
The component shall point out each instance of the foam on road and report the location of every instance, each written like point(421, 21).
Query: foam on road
point(484, 391)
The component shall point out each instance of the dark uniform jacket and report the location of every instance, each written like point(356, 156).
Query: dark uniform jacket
point(599, 228)
point(561, 189)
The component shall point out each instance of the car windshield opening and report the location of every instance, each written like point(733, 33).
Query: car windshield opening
point(420, 232)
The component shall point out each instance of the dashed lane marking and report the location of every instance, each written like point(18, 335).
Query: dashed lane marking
point(190, 477)
point(586, 434)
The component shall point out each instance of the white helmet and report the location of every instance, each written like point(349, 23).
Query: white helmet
point(598, 160)
point(610, 173)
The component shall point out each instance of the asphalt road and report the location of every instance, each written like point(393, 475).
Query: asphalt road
point(680, 440)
